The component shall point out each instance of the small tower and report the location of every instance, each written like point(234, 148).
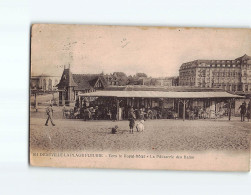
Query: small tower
point(66, 87)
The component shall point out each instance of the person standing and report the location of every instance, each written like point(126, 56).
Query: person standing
point(131, 118)
point(49, 112)
point(243, 110)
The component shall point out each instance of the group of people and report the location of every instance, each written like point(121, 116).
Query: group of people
point(199, 112)
point(91, 113)
point(110, 113)
point(98, 113)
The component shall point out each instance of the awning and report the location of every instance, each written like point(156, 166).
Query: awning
point(159, 94)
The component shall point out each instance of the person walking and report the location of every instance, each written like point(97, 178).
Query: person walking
point(49, 112)
point(243, 110)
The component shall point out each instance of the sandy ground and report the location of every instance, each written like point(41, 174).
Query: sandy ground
point(159, 135)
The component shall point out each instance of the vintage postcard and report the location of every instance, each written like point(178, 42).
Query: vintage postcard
point(130, 97)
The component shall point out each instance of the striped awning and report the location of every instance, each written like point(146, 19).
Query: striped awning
point(159, 94)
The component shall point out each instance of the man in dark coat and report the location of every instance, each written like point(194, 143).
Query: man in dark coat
point(243, 110)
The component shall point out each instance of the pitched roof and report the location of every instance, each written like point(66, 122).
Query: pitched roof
point(66, 80)
point(80, 81)
point(244, 57)
point(87, 81)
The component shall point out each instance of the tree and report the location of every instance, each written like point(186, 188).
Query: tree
point(121, 78)
point(141, 75)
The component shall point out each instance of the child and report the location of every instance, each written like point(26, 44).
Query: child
point(132, 118)
point(114, 129)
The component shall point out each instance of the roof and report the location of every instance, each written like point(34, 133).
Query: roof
point(87, 81)
point(161, 88)
point(80, 81)
point(196, 63)
point(67, 80)
point(160, 94)
point(244, 57)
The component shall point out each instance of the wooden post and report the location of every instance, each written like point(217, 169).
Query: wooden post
point(117, 102)
point(178, 108)
point(210, 104)
point(53, 98)
point(80, 101)
point(184, 109)
point(229, 109)
point(36, 101)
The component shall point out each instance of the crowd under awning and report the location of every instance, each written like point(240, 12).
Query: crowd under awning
point(183, 97)
point(160, 94)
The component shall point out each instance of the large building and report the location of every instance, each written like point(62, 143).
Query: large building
point(230, 75)
point(71, 84)
point(44, 82)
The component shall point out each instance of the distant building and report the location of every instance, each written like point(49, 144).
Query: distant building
point(230, 75)
point(111, 79)
point(44, 82)
point(71, 84)
point(167, 81)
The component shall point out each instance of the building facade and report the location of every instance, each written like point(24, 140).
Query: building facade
point(71, 84)
point(230, 75)
point(44, 82)
point(167, 81)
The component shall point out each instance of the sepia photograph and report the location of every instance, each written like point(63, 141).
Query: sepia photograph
point(137, 97)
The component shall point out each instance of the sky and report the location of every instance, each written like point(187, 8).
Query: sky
point(156, 51)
